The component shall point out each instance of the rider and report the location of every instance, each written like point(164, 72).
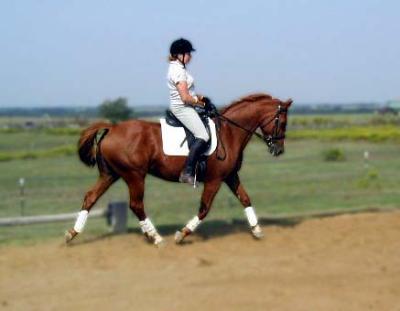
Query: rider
point(183, 99)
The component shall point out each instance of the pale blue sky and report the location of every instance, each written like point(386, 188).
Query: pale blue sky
point(78, 53)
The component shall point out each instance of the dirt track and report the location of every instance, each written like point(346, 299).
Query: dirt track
point(349, 262)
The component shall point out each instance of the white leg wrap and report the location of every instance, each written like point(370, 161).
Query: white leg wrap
point(193, 223)
point(147, 227)
point(81, 221)
point(251, 216)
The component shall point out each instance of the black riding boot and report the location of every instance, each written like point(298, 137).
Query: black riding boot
point(187, 175)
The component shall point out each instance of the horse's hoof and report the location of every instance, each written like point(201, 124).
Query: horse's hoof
point(160, 244)
point(257, 232)
point(159, 241)
point(179, 237)
point(70, 235)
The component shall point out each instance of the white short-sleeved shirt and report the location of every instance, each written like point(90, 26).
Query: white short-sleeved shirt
point(178, 73)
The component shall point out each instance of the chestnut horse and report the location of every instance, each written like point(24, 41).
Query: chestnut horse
point(132, 149)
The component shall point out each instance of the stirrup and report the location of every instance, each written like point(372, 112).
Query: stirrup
point(188, 179)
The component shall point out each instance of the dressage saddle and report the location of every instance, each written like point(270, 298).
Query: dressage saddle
point(172, 120)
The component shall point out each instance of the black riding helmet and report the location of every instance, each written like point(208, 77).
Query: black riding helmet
point(181, 46)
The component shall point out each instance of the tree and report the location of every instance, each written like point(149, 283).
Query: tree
point(116, 110)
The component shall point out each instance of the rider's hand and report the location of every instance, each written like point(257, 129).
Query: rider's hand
point(210, 107)
point(200, 101)
point(206, 101)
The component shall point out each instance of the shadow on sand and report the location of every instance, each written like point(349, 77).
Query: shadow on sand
point(219, 228)
point(208, 230)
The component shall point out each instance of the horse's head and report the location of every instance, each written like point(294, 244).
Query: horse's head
point(273, 127)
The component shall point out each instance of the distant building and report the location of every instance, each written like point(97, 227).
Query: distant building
point(394, 104)
point(390, 107)
point(30, 125)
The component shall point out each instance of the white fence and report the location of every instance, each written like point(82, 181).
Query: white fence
point(40, 219)
point(115, 214)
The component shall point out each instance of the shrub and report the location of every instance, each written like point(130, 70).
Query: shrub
point(334, 154)
point(116, 110)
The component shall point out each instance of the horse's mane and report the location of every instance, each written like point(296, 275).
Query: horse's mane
point(249, 98)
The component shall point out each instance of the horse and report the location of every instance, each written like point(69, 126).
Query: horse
point(132, 149)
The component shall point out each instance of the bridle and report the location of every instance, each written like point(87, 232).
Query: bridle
point(274, 137)
point(270, 139)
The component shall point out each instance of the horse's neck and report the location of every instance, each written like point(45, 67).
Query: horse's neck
point(248, 118)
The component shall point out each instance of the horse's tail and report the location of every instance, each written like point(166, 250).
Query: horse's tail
point(86, 144)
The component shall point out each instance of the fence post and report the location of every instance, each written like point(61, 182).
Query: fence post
point(22, 195)
point(117, 216)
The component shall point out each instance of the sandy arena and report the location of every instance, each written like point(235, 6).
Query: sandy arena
point(349, 262)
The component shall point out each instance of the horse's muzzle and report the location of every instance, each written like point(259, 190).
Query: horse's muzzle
point(276, 150)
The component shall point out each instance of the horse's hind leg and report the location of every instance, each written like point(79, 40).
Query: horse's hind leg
point(135, 183)
point(210, 190)
point(91, 197)
point(237, 188)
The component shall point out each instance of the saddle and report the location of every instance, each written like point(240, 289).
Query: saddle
point(173, 121)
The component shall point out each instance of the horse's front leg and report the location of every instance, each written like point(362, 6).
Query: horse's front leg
point(236, 187)
point(210, 190)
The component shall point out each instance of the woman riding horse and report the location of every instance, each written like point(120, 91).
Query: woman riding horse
point(132, 149)
point(183, 99)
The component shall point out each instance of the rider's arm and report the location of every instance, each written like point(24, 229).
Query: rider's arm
point(182, 88)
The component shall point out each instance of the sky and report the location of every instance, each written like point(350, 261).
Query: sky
point(79, 53)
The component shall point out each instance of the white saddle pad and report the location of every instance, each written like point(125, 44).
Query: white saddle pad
point(172, 138)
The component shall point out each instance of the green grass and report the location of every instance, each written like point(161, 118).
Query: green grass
point(58, 142)
point(356, 133)
point(19, 143)
point(33, 141)
point(341, 120)
point(35, 154)
point(299, 181)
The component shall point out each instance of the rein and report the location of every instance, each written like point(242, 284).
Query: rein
point(269, 139)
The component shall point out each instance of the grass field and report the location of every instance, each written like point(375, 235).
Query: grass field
point(298, 181)
point(45, 142)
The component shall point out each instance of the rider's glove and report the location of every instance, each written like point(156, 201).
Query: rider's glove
point(209, 107)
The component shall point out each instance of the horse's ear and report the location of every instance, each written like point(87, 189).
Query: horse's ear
point(289, 102)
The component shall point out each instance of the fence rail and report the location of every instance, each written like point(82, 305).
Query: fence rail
point(29, 220)
point(121, 217)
